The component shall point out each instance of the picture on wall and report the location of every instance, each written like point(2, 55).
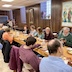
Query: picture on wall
point(67, 14)
point(31, 16)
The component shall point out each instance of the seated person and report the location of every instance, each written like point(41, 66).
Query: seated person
point(48, 34)
point(6, 36)
point(39, 33)
point(10, 24)
point(26, 31)
point(66, 37)
point(27, 55)
point(33, 31)
point(1, 46)
point(2, 31)
point(54, 62)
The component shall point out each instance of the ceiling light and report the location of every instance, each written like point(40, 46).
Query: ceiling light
point(6, 5)
point(7, 0)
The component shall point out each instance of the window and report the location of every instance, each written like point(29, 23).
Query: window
point(46, 10)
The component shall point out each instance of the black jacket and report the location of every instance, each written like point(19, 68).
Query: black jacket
point(6, 51)
point(1, 32)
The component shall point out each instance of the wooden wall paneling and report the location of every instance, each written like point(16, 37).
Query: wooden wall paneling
point(56, 15)
point(54, 23)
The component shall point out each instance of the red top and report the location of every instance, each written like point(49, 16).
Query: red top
point(28, 56)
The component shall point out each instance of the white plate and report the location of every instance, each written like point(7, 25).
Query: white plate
point(69, 49)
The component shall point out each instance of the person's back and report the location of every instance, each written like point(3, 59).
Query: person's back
point(27, 56)
point(54, 64)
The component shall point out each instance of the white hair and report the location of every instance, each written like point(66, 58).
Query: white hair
point(66, 28)
point(4, 27)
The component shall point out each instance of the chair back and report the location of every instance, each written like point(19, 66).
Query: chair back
point(6, 50)
point(27, 68)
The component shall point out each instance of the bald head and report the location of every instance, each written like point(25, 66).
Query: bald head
point(53, 46)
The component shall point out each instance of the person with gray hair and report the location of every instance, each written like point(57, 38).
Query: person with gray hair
point(66, 37)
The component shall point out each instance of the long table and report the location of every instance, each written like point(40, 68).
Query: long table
point(21, 37)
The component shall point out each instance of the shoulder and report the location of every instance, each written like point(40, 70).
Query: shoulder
point(44, 60)
point(21, 47)
point(70, 35)
point(42, 33)
point(5, 33)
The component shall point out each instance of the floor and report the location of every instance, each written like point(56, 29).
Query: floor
point(3, 66)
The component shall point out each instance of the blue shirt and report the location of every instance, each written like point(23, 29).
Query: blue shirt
point(41, 36)
point(1, 46)
point(54, 64)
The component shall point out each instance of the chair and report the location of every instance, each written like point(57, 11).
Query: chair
point(15, 63)
point(27, 68)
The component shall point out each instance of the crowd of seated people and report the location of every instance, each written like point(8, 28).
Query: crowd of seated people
point(53, 63)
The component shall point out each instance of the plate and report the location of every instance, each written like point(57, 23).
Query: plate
point(70, 51)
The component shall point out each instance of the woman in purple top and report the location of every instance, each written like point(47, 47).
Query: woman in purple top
point(27, 55)
point(48, 34)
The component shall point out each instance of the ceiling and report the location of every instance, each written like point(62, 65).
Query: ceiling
point(19, 3)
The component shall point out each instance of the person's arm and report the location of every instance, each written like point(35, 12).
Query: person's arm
point(59, 36)
point(28, 31)
point(69, 40)
point(52, 36)
point(35, 46)
point(43, 36)
point(68, 43)
point(36, 34)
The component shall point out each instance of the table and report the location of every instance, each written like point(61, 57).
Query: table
point(19, 39)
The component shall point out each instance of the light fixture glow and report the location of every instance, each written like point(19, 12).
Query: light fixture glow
point(7, 0)
point(6, 5)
